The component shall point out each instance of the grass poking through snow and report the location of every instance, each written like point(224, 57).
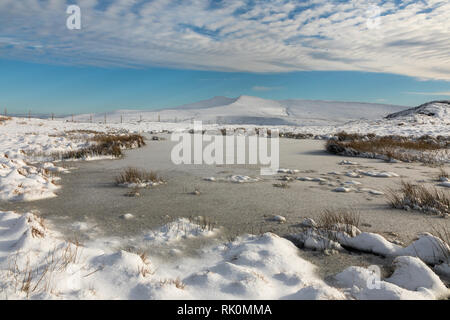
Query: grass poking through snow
point(339, 220)
point(443, 232)
point(424, 149)
point(136, 176)
point(419, 197)
point(105, 145)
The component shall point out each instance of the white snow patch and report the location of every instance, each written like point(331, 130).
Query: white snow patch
point(182, 228)
point(411, 280)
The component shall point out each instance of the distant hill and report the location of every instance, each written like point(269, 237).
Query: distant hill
point(258, 111)
point(435, 109)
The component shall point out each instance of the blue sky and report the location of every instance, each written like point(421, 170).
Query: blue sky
point(143, 54)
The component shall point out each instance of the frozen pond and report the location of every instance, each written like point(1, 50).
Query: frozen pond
point(90, 205)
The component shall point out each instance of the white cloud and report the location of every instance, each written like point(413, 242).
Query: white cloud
point(271, 36)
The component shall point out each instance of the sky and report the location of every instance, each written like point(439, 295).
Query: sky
point(148, 54)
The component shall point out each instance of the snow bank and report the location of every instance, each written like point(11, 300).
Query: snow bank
point(411, 280)
point(36, 263)
point(252, 267)
point(22, 181)
point(427, 247)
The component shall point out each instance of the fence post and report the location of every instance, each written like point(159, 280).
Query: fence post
point(53, 116)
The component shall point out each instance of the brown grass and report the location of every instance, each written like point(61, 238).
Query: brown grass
point(145, 269)
point(282, 185)
point(105, 145)
point(176, 282)
point(422, 149)
point(83, 131)
point(4, 119)
point(418, 197)
point(135, 175)
point(443, 232)
point(346, 217)
point(35, 280)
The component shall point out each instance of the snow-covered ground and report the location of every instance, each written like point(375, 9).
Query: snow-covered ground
point(38, 262)
point(319, 118)
point(35, 263)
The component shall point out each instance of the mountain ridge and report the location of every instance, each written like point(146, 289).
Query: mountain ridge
point(254, 110)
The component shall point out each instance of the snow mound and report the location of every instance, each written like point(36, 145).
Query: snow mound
point(251, 267)
point(412, 279)
point(20, 181)
point(427, 247)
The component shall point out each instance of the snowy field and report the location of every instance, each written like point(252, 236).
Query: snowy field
point(37, 261)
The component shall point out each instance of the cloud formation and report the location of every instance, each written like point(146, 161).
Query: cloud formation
point(403, 37)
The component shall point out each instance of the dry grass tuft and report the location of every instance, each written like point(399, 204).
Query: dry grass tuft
point(443, 232)
point(204, 223)
point(29, 280)
point(176, 282)
point(344, 217)
point(36, 233)
point(418, 197)
point(282, 185)
point(443, 174)
point(3, 119)
point(135, 175)
point(422, 149)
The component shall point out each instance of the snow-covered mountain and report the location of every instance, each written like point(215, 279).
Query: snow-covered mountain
point(253, 110)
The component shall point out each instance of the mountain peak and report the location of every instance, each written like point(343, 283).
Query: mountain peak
point(209, 103)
